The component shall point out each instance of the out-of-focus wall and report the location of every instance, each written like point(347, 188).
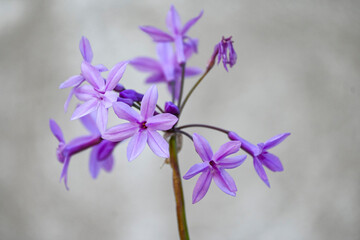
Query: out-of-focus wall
point(297, 71)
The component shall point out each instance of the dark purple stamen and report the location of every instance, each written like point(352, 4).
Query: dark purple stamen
point(143, 125)
point(213, 164)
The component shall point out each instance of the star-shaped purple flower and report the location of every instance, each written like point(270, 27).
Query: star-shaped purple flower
point(101, 153)
point(213, 167)
point(142, 127)
point(177, 32)
point(166, 69)
point(75, 81)
point(99, 95)
point(260, 154)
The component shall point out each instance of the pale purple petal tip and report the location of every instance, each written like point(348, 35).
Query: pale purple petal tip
point(261, 171)
point(136, 145)
point(271, 161)
point(272, 142)
point(158, 144)
point(191, 22)
point(202, 186)
point(85, 49)
point(56, 130)
point(196, 169)
point(148, 103)
point(115, 75)
point(227, 149)
point(163, 121)
point(156, 34)
point(72, 81)
point(202, 147)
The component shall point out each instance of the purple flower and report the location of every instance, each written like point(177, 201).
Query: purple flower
point(166, 69)
point(98, 96)
point(177, 32)
point(224, 50)
point(75, 81)
point(142, 127)
point(101, 154)
point(213, 167)
point(261, 155)
point(170, 107)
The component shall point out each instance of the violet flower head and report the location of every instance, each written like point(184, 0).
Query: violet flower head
point(225, 52)
point(166, 69)
point(99, 95)
point(75, 81)
point(177, 33)
point(260, 154)
point(170, 107)
point(142, 127)
point(213, 167)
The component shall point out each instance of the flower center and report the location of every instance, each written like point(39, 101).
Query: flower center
point(143, 125)
point(213, 164)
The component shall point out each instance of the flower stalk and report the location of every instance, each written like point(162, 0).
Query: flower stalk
point(178, 191)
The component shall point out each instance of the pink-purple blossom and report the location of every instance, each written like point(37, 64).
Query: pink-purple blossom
point(213, 167)
point(177, 33)
point(224, 51)
point(260, 154)
point(142, 127)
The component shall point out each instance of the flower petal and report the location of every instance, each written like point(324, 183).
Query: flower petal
point(227, 149)
point(231, 162)
point(196, 169)
point(85, 49)
point(115, 75)
point(158, 144)
point(85, 108)
point(64, 172)
point(271, 161)
point(102, 118)
point(173, 21)
point(145, 64)
point(202, 147)
point(108, 163)
point(202, 186)
point(89, 123)
point(123, 111)
point(261, 171)
point(67, 102)
point(120, 132)
point(85, 92)
point(156, 34)
point(179, 47)
point(105, 149)
point(166, 56)
point(272, 142)
point(56, 130)
point(136, 145)
point(148, 103)
point(163, 121)
point(101, 68)
point(92, 75)
point(225, 182)
point(190, 23)
point(94, 166)
point(155, 78)
point(192, 71)
point(72, 81)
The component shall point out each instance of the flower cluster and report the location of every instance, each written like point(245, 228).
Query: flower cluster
point(147, 120)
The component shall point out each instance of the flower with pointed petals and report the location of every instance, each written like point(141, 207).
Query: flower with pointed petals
point(224, 50)
point(101, 154)
point(142, 127)
point(99, 95)
point(260, 154)
point(75, 81)
point(213, 167)
point(177, 32)
point(166, 69)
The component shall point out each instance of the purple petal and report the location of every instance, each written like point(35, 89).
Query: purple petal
point(136, 145)
point(155, 78)
point(56, 130)
point(166, 57)
point(146, 64)
point(115, 75)
point(89, 123)
point(173, 21)
point(226, 150)
point(93, 76)
point(272, 142)
point(105, 149)
point(232, 162)
point(85, 49)
point(192, 71)
point(148, 103)
point(190, 23)
point(179, 47)
point(72, 81)
point(102, 118)
point(85, 108)
point(108, 163)
point(156, 34)
point(85, 92)
point(101, 68)
point(123, 111)
point(163, 121)
point(196, 169)
point(202, 186)
point(64, 172)
point(261, 171)
point(120, 132)
point(94, 166)
point(202, 147)
point(271, 161)
point(109, 98)
point(190, 46)
point(67, 102)
point(158, 144)
point(225, 182)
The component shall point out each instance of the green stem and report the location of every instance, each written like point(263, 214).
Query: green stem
point(182, 83)
point(178, 191)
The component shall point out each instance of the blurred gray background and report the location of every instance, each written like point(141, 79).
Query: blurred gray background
point(297, 71)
